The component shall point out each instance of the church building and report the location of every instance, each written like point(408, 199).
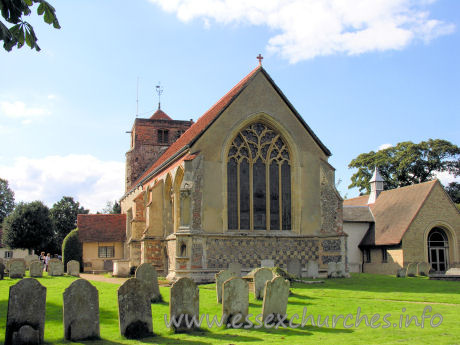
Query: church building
point(248, 181)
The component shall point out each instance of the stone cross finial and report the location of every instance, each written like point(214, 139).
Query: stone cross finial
point(260, 58)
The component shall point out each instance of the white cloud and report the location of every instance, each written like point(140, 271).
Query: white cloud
point(308, 28)
point(384, 146)
point(19, 110)
point(87, 179)
point(445, 178)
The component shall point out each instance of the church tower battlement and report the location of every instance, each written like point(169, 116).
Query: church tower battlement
point(149, 139)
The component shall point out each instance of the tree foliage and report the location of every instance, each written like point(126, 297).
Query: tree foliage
point(71, 248)
point(28, 227)
point(6, 199)
point(21, 32)
point(453, 189)
point(112, 208)
point(406, 163)
point(64, 218)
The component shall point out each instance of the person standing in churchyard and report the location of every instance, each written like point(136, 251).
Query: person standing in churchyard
point(42, 258)
point(47, 260)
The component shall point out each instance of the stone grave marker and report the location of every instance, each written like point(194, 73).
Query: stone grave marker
point(402, 272)
point(148, 275)
point(235, 300)
point(221, 277)
point(235, 267)
point(17, 268)
point(423, 268)
point(184, 303)
point(340, 270)
point(267, 263)
point(134, 310)
point(55, 267)
point(81, 311)
point(36, 268)
point(25, 321)
point(412, 270)
point(312, 269)
point(261, 275)
point(275, 298)
point(1, 261)
point(453, 271)
point(73, 268)
point(2, 271)
point(294, 267)
point(29, 258)
point(331, 269)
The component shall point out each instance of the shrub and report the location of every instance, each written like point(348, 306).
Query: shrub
point(72, 249)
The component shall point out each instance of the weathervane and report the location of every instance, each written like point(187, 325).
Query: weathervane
point(260, 58)
point(159, 91)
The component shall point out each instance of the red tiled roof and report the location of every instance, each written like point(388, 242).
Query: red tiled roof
point(393, 211)
point(160, 115)
point(101, 227)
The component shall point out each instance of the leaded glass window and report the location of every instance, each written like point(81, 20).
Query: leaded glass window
point(259, 180)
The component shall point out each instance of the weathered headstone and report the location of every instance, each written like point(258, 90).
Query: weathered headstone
point(275, 298)
point(267, 263)
point(312, 269)
point(25, 322)
point(134, 310)
point(220, 278)
point(17, 268)
point(454, 271)
point(340, 270)
point(36, 268)
point(73, 268)
point(412, 269)
point(55, 267)
point(294, 267)
point(331, 269)
point(402, 272)
point(148, 275)
point(235, 267)
point(81, 311)
point(235, 300)
point(184, 303)
point(29, 258)
point(423, 268)
point(261, 275)
point(2, 271)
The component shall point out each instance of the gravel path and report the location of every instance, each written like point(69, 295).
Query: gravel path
point(118, 281)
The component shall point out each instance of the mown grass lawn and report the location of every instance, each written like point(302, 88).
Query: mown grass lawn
point(373, 294)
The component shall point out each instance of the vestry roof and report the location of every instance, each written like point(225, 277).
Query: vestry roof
point(101, 227)
point(357, 214)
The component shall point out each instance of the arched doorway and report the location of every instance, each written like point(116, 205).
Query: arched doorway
point(438, 250)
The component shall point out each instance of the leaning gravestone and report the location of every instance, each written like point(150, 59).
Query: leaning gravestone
point(261, 275)
point(148, 275)
point(73, 268)
point(25, 322)
point(55, 267)
point(235, 267)
point(184, 304)
point(235, 300)
point(331, 269)
point(17, 268)
point(275, 298)
point(36, 268)
point(312, 269)
point(2, 271)
point(134, 310)
point(267, 263)
point(402, 272)
point(294, 267)
point(423, 268)
point(412, 270)
point(221, 277)
point(81, 311)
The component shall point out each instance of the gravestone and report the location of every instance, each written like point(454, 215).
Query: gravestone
point(267, 263)
point(331, 269)
point(25, 321)
point(340, 270)
point(221, 277)
point(2, 271)
point(36, 268)
point(412, 270)
point(17, 268)
point(81, 311)
point(134, 310)
point(235, 300)
point(184, 303)
point(73, 268)
point(453, 272)
point(235, 267)
point(423, 268)
point(402, 272)
point(1, 261)
point(148, 275)
point(312, 269)
point(275, 298)
point(261, 275)
point(294, 267)
point(29, 258)
point(55, 267)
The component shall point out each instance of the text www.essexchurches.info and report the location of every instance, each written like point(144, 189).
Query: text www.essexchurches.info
point(347, 321)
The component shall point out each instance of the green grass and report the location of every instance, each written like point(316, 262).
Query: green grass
point(372, 293)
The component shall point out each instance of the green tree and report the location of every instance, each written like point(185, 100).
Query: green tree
point(112, 208)
point(6, 199)
point(63, 215)
point(71, 248)
point(406, 163)
point(21, 31)
point(453, 189)
point(29, 227)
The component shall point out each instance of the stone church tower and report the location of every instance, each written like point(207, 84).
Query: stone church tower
point(149, 139)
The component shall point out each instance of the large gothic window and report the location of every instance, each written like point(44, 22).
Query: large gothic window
point(259, 180)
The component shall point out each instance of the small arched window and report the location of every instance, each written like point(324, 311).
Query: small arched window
point(259, 180)
point(438, 247)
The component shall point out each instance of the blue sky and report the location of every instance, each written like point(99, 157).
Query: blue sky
point(361, 73)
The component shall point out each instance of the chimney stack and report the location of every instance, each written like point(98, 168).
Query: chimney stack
point(376, 186)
